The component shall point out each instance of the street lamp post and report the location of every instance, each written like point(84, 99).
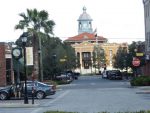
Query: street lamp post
point(65, 57)
point(54, 64)
point(24, 40)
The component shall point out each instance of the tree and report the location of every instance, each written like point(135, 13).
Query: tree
point(36, 23)
point(123, 58)
point(71, 57)
point(136, 47)
point(120, 59)
point(53, 51)
point(99, 58)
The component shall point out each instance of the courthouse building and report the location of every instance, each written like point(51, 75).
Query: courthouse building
point(85, 42)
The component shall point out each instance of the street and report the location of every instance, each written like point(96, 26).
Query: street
point(89, 94)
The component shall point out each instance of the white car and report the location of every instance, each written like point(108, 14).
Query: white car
point(105, 73)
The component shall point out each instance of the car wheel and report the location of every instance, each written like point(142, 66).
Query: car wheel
point(3, 96)
point(40, 95)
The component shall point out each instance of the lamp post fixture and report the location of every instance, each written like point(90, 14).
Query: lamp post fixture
point(24, 40)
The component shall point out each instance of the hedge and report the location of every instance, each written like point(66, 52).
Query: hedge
point(140, 81)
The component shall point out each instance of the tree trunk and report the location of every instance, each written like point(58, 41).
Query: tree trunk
point(35, 57)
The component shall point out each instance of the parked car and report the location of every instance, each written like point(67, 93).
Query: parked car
point(105, 73)
point(68, 75)
point(41, 90)
point(6, 92)
point(115, 74)
point(64, 77)
point(76, 75)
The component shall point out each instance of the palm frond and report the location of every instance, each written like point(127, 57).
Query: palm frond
point(23, 15)
point(43, 15)
point(50, 23)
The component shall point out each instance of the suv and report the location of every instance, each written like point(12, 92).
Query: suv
point(115, 74)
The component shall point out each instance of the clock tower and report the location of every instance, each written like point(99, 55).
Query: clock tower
point(85, 23)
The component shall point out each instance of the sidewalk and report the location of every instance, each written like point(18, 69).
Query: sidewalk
point(17, 105)
point(143, 90)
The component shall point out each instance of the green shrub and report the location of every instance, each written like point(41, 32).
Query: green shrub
point(140, 81)
point(60, 82)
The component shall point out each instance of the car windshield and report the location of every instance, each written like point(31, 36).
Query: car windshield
point(41, 84)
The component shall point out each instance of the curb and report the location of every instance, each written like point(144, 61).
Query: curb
point(144, 87)
point(18, 105)
point(143, 92)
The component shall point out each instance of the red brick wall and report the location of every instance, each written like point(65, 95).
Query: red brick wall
point(146, 69)
point(2, 65)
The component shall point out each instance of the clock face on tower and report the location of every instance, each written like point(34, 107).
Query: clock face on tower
point(16, 52)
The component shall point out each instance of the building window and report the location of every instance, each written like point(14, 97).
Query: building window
point(85, 55)
point(80, 26)
point(8, 71)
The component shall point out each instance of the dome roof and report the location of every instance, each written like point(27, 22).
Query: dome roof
point(84, 15)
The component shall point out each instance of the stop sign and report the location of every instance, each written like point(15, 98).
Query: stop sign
point(136, 62)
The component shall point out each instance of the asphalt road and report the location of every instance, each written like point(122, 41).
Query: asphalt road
point(89, 94)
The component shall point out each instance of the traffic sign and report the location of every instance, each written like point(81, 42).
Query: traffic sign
point(62, 60)
point(136, 62)
point(140, 54)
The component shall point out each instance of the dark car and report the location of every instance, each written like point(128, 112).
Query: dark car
point(6, 92)
point(41, 90)
point(64, 77)
point(76, 75)
point(69, 76)
point(115, 74)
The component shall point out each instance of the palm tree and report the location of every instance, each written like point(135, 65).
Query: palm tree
point(36, 23)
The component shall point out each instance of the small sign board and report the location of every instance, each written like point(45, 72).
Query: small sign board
point(29, 56)
point(139, 54)
point(62, 60)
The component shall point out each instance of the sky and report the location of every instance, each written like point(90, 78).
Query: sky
point(117, 20)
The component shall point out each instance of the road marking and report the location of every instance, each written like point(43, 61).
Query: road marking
point(37, 110)
point(59, 97)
